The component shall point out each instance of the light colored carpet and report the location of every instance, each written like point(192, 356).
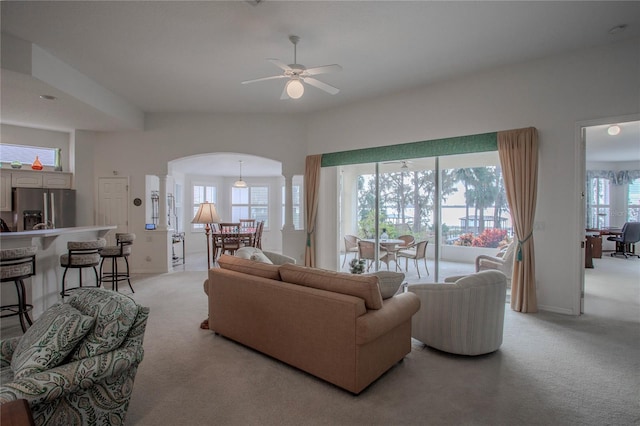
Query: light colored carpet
point(551, 369)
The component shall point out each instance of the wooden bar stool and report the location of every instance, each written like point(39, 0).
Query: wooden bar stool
point(16, 264)
point(80, 255)
point(121, 250)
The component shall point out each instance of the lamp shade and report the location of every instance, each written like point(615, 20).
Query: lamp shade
point(206, 214)
point(240, 183)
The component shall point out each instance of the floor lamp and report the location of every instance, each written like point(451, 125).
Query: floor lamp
point(206, 215)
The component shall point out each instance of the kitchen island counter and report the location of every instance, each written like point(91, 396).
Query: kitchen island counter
point(43, 289)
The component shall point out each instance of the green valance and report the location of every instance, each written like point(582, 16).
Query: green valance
point(432, 148)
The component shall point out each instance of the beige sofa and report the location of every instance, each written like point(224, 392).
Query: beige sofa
point(335, 326)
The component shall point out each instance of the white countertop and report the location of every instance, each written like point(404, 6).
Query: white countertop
point(44, 233)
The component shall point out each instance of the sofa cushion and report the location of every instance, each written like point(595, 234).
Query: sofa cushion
point(250, 267)
point(114, 314)
point(362, 286)
point(49, 340)
point(389, 282)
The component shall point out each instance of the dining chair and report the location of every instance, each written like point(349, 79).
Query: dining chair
point(350, 246)
point(257, 241)
point(416, 251)
point(230, 237)
point(248, 227)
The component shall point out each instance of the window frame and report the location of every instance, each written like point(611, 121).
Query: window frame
point(595, 206)
point(199, 227)
point(250, 205)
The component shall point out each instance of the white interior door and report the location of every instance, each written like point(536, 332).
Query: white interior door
point(113, 204)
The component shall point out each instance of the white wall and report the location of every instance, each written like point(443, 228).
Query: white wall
point(552, 95)
point(171, 136)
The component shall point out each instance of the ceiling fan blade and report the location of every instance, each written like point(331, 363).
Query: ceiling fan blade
point(320, 85)
point(284, 95)
point(324, 69)
point(263, 79)
point(278, 63)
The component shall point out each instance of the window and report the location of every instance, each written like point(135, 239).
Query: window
point(296, 203)
point(633, 201)
point(26, 154)
point(250, 203)
point(202, 193)
point(598, 202)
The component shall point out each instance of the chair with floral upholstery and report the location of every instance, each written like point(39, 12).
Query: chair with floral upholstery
point(77, 363)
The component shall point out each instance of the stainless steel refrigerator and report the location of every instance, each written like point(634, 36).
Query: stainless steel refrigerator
point(43, 208)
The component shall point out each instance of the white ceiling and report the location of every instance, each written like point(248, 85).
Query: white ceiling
point(187, 56)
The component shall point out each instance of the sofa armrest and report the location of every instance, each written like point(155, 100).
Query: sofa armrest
point(7, 348)
point(484, 262)
point(50, 385)
point(395, 311)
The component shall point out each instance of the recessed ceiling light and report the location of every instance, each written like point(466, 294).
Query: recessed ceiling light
point(618, 29)
point(48, 97)
point(613, 130)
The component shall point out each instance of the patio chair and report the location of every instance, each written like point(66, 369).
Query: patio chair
point(367, 251)
point(350, 246)
point(502, 262)
point(415, 251)
point(408, 241)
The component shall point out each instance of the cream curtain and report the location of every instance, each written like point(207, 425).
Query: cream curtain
point(518, 150)
point(311, 189)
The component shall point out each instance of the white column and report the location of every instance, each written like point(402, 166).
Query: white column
point(162, 203)
point(288, 203)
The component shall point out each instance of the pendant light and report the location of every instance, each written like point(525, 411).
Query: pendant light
point(240, 183)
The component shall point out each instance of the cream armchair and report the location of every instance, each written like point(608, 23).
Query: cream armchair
point(502, 262)
point(465, 315)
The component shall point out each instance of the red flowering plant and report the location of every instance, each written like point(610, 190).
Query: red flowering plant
point(464, 240)
point(490, 238)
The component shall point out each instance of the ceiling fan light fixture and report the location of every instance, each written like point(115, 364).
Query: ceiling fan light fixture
point(613, 130)
point(240, 183)
point(295, 88)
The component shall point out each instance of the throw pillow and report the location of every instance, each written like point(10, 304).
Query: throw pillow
point(49, 340)
point(246, 252)
point(389, 282)
point(260, 257)
point(114, 315)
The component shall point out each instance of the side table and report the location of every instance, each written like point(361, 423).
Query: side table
point(16, 413)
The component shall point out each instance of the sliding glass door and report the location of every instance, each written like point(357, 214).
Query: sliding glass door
point(454, 205)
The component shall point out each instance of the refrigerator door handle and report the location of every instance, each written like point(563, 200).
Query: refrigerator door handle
point(53, 211)
point(46, 210)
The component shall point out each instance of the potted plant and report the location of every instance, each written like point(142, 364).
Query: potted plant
point(356, 266)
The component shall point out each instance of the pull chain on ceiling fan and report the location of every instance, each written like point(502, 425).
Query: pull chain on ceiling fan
point(299, 74)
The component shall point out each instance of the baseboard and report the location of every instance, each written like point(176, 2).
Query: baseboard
point(557, 310)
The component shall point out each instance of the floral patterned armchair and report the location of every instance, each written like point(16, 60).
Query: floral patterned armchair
point(95, 338)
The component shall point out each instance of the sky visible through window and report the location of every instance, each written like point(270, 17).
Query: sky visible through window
point(27, 154)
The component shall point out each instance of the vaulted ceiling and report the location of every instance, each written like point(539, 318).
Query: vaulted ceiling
point(183, 56)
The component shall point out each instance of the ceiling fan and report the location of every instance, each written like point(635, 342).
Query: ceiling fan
point(404, 166)
point(298, 74)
